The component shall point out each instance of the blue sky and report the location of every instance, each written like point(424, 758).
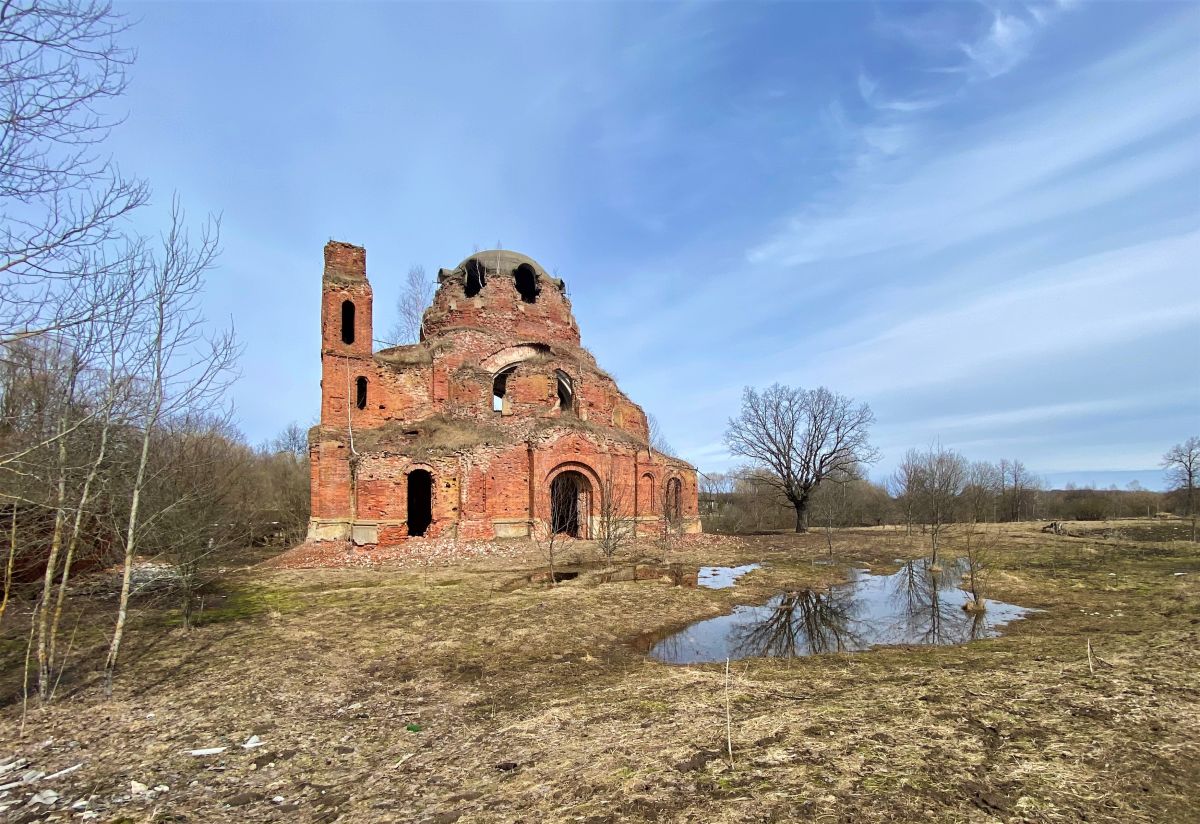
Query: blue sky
point(982, 219)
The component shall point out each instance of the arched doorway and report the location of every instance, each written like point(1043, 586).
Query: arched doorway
point(420, 502)
point(571, 504)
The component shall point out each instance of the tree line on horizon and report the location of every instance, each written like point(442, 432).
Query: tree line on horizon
point(807, 455)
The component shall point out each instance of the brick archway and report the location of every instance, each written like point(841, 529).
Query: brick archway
point(577, 517)
point(503, 358)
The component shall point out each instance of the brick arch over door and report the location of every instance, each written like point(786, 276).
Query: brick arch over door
point(578, 466)
point(545, 494)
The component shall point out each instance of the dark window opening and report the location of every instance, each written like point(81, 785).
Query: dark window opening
point(566, 392)
point(527, 283)
point(360, 392)
point(347, 321)
point(500, 389)
point(420, 502)
point(476, 277)
point(570, 504)
point(673, 505)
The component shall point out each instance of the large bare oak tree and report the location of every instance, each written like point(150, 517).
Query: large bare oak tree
point(802, 437)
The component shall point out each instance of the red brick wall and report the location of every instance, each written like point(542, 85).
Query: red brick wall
point(450, 373)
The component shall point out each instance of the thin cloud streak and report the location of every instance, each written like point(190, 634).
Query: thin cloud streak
point(968, 192)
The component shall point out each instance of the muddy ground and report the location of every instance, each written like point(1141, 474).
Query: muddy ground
point(447, 694)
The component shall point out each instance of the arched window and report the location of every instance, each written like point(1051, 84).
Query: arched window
point(527, 283)
point(500, 389)
point(673, 503)
point(476, 278)
point(420, 502)
point(566, 391)
point(347, 321)
point(360, 392)
point(647, 503)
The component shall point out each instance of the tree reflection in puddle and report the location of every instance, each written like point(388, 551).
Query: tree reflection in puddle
point(918, 604)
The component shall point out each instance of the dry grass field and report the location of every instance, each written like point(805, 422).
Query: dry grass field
point(448, 694)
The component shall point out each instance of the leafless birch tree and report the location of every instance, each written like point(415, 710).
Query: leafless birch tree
point(415, 297)
point(182, 369)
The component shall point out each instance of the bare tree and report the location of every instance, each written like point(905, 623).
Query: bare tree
point(802, 436)
point(942, 474)
point(905, 485)
point(182, 369)
point(658, 441)
point(831, 501)
point(12, 557)
point(293, 441)
point(550, 534)
point(718, 507)
point(91, 394)
point(616, 525)
point(978, 546)
point(1018, 488)
point(200, 472)
point(415, 297)
point(1182, 464)
point(283, 480)
point(982, 490)
point(61, 200)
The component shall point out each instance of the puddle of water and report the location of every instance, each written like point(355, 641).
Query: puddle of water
point(715, 577)
point(918, 604)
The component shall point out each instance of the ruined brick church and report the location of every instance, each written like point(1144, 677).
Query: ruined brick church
point(498, 423)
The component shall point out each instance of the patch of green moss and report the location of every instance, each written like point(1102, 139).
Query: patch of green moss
point(249, 603)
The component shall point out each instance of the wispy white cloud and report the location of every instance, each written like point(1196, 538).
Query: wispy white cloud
point(961, 57)
point(868, 89)
point(1078, 306)
point(1006, 43)
point(1022, 168)
point(951, 427)
point(975, 40)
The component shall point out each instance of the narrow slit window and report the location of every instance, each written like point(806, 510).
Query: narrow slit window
point(360, 392)
point(566, 392)
point(347, 321)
